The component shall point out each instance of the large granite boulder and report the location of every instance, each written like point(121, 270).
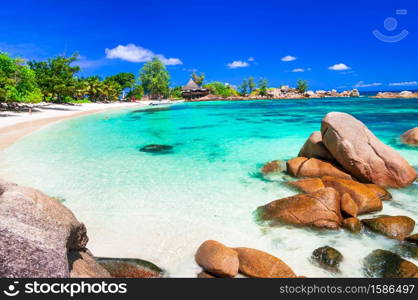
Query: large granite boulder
point(217, 259)
point(410, 137)
point(259, 264)
point(385, 264)
point(320, 209)
point(362, 154)
point(394, 227)
point(366, 199)
point(36, 231)
point(313, 167)
point(314, 148)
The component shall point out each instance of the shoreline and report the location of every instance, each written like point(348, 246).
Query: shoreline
point(14, 126)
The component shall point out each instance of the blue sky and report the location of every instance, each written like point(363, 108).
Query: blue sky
point(328, 43)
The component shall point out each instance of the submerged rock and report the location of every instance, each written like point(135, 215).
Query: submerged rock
point(366, 199)
point(36, 232)
point(313, 167)
point(309, 185)
point(258, 264)
point(130, 268)
point(410, 137)
point(397, 227)
point(385, 264)
point(273, 167)
point(320, 209)
point(217, 259)
point(362, 154)
point(314, 148)
point(154, 148)
point(328, 258)
point(83, 265)
point(353, 225)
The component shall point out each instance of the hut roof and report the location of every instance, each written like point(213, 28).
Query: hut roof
point(191, 85)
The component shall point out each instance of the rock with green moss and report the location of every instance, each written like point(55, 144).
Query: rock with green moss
point(385, 264)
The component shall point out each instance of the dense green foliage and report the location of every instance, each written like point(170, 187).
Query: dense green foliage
point(302, 86)
point(221, 89)
point(155, 79)
point(251, 85)
point(17, 81)
point(243, 88)
point(136, 93)
point(175, 93)
point(199, 79)
point(262, 87)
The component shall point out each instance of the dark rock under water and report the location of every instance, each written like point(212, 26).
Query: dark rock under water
point(155, 148)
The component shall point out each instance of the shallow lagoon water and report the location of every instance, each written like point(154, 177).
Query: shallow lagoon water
point(161, 207)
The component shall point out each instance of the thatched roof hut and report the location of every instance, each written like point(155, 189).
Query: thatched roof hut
point(192, 90)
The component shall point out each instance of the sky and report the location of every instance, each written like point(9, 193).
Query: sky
point(369, 45)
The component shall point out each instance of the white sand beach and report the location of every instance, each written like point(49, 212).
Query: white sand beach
point(14, 125)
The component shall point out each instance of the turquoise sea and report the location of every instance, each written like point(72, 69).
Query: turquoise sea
point(161, 207)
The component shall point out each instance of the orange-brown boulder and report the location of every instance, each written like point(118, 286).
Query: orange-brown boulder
point(362, 154)
point(130, 267)
point(366, 199)
point(382, 193)
point(410, 137)
point(314, 148)
point(313, 167)
point(394, 227)
point(205, 275)
point(259, 264)
point(352, 224)
point(348, 205)
point(217, 259)
point(320, 209)
point(309, 185)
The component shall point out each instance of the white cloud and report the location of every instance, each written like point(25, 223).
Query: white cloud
point(238, 64)
point(288, 58)
point(251, 59)
point(361, 84)
point(298, 70)
point(406, 83)
point(339, 67)
point(133, 53)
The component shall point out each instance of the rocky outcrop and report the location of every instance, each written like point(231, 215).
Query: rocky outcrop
point(309, 185)
point(394, 227)
point(353, 225)
point(313, 167)
point(410, 137)
point(217, 259)
point(36, 232)
point(362, 154)
point(385, 264)
point(314, 148)
point(130, 268)
point(328, 258)
point(320, 209)
point(83, 265)
point(366, 199)
point(259, 264)
point(391, 95)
